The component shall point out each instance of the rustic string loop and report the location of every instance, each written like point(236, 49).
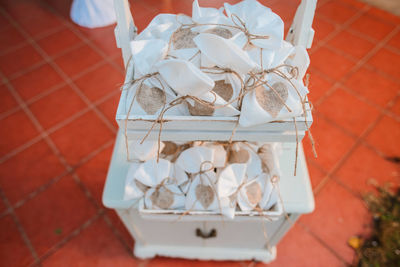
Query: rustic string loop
point(242, 26)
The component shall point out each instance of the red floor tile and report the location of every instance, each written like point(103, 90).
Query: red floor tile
point(40, 26)
point(109, 108)
point(24, 10)
point(13, 251)
point(330, 63)
point(364, 165)
point(386, 136)
point(142, 21)
point(80, 137)
point(387, 61)
point(94, 172)
point(28, 170)
point(120, 62)
point(351, 44)
point(100, 82)
point(396, 107)
point(171, 262)
point(372, 26)
point(57, 106)
point(303, 249)
point(175, 7)
point(120, 228)
point(354, 3)
point(19, 60)
point(337, 11)
point(395, 41)
point(338, 216)
point(104, 38)
point(58, 42)
point(373, 86)
point(77, 60)
point(4, 23)
point(61, 6)
point(69, 208)
point(384, 15)
point(7, 101)
point(16, 129)
point(319, 85)
point(331, 143)
point(285, 9)
point(316, 175)
point(9, 38)
point(322, 29)
point(2, 206)
point(348, 111)
point(98, 33)
point(36, 81)
point(95, 246)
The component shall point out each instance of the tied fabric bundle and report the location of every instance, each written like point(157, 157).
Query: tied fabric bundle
point(224, 62)
point(216, 177)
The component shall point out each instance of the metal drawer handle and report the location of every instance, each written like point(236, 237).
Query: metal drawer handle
point(212, 233)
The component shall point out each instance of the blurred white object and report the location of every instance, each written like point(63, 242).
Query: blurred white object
point(93, 13)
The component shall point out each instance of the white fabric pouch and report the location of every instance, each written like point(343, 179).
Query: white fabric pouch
point(269, 155)
point(224, 53)
point(264, 104)
point(145, 151)
point(245, 153)
point(270, 194)
point(161, 178)
point(259, 21)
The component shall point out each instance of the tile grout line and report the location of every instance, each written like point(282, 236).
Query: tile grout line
point(72, 235)
point(55, 150)
point(358, 141)
point(110, 60)
point(62, 74)
point(20, 228)
point(25, 42)
point(357, 66)
point(52, 89)
point(54, 128)
point(53, 180)
point(333, 88)
point(86, 40)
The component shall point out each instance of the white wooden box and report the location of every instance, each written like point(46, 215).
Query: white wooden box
point(192, 236)
point(186, 128)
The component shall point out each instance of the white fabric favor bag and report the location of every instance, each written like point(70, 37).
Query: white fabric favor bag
point(224, 53)
point(259, 21)
point(149, 95)
point(276, 101)
point(163, 192)
point(145, 151)
point(245, 153)
point(93, 13)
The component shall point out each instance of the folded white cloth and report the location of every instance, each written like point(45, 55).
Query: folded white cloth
point(259, 21)
point(93, 13)
point(224, 53)
point(143, 152)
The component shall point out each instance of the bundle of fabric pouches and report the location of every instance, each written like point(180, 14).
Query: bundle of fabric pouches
point(230, 61)
point(204, 176)
point(223, 62)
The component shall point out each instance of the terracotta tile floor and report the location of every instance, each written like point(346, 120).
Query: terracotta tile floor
point(58, 95)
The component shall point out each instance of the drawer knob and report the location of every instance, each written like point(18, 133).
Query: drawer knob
point(200, 233)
